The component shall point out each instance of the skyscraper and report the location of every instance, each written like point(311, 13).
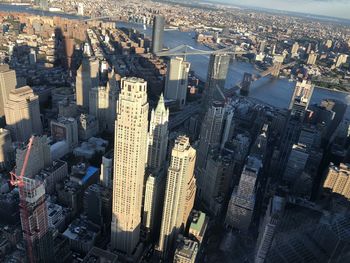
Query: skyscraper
point(102, 103)
point(86, 79)
point(301, 99)
point(268, 227)
point(157, 150)
point(152, 207)
point(179, 194)
point(241, 205)
point(22, 114)
point(39, 158)
point(296, 163)
point(216, 78)
point(246, 82)
point(210, 137)
point(294, 50)
point(341, 59)
point(8, 82)
point(157, 33)
point(34, 220)
point(177, 80)
point(158, 136)
point(130, 158)
point(6, 150)
point(338, 179)
point(311, 60)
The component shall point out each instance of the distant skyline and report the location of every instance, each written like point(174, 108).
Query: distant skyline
point(335, 8)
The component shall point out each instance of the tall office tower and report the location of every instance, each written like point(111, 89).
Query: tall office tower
point(262, 46)
point(103, 101)
point(338, 179)
point(8, 82)
point(157, 34)
point(86, 79)
point(80, 9)
point(294, 50)
point(246, 82)
point(130, 159)
point(309, 48)
point(301, 99)
point(229, 125)
point(296, 163)
point(217, 72)
point(152, 206)
point(22, 114)
point(210, 137)
point(341, 59)
point(268, 227)
point(179, 194)
point(93, 204)
point(6, 150)
point(157, 150)
point(218, 180)
point(106, 175)
point(34, 220)
point(259, 147)
point(242, 202)
point(158, 136)
point(311, 60)
point(39, 158)
point(177, 80)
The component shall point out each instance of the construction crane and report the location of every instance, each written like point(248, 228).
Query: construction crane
point(18, 180)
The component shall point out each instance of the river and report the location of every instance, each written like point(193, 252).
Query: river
point(276, 92)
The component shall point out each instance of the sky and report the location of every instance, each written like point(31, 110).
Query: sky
point(335, 8)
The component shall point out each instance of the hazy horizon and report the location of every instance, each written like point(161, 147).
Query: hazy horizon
point(335, 8)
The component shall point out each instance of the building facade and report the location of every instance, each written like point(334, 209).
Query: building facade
point(179, 194)
point(130, 159)
point(23, 114)
point(177, 81)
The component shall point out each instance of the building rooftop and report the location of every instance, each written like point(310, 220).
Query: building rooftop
point(99, 255)
point(81, 230)
point(187, 249)
point(198, 221)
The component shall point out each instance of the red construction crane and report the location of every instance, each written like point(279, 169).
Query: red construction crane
point(18, 181)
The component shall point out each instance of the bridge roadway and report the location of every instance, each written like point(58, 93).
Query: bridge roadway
point(186, 50)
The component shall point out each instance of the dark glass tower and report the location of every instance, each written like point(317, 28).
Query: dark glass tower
point(157, 34)
point(216, 78)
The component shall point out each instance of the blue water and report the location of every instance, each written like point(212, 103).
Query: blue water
point(276, 92)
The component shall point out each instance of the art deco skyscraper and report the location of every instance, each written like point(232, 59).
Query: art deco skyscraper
point(157, 150)
point(157, 34)
point(177, 80)
point(130, 159)
point(22, 114)
point(158, 136)
point(216, 78)
point(179, 194)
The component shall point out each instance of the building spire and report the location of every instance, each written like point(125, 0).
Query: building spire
point(161, 104)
